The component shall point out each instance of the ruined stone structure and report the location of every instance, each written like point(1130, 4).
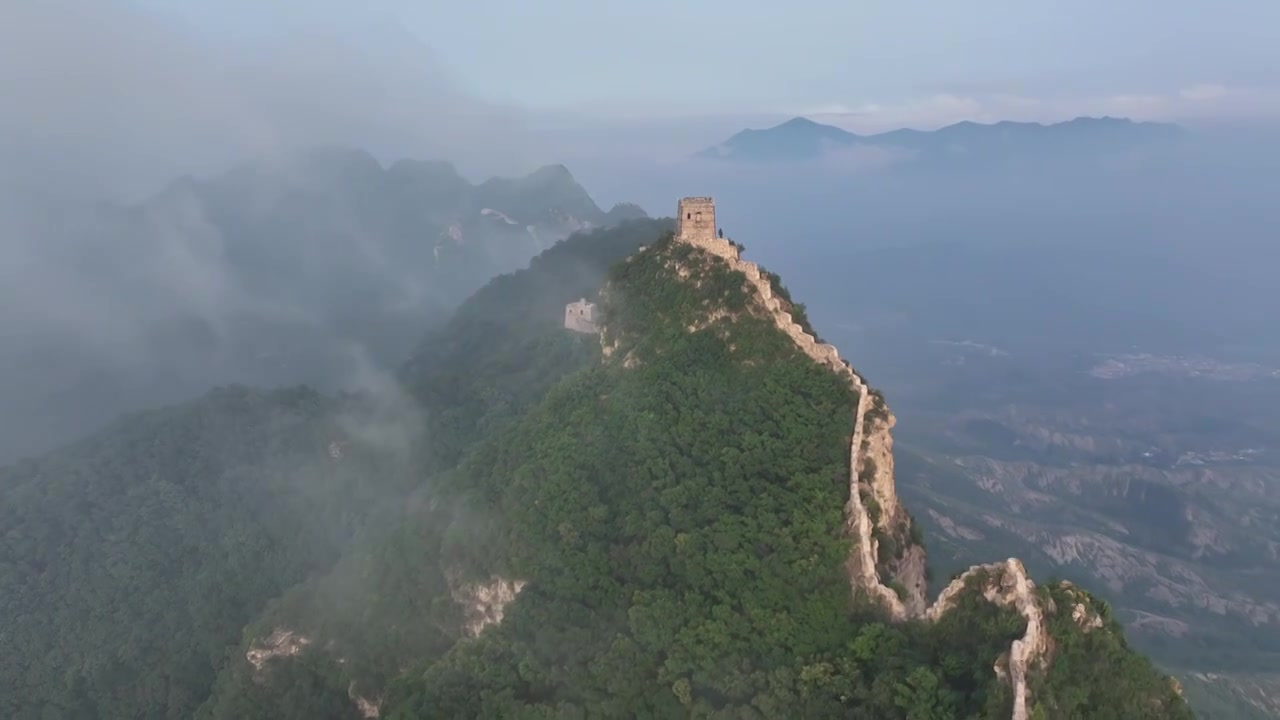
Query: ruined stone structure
point(696, 219)
point(580, 317)
point(871, 480)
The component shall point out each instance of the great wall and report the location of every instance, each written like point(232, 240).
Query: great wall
point(1005, 584)
point(871, 471)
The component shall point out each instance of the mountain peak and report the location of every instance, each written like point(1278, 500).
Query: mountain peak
point(800, 122)
point(551, 173)
point(626, 211)
point(550, 188)
point(796, 138)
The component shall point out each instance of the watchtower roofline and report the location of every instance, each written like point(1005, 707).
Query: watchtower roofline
point(696, 219)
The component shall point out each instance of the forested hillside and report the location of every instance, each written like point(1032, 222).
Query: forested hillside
point(544, 527)
point(131, 560)
point(673, 512)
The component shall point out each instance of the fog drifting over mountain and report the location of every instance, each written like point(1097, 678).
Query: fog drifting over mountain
point(135, 271)
point(111, 102)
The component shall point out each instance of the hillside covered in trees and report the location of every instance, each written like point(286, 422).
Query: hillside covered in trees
point(533, 524)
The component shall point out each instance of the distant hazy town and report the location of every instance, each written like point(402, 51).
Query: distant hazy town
point(1114, 367)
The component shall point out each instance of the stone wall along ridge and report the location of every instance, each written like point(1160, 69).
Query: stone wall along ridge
point(1013, 587)
point(858, 523)
point(1008, 586)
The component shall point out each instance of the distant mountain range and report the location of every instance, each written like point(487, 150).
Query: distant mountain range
point(296, 268)
point(803, 139)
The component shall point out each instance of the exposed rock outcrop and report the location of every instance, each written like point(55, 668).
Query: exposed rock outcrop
point(280, 643)
point(1082, 613)
point(898, 552)
point(484, 603)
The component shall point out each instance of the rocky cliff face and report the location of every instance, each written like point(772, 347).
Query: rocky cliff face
point(898, 549)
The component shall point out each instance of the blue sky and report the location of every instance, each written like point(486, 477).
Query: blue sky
point(803, 56)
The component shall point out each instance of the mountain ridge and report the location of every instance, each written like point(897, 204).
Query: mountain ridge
point(648, 522)
point(571, 573)
point(876, 481)
point(801, 138)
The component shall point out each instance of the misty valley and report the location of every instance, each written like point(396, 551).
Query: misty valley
point(985, 429)
point(319, 266)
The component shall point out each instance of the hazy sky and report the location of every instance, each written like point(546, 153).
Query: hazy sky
point(126, 93)
point(916, 61)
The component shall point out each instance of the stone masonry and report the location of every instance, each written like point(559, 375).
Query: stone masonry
point(696, 219)
point(580, 317)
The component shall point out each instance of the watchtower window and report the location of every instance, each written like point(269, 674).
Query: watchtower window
point(699, 217)
point(688, 216)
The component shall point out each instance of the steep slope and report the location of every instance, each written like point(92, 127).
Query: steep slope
point(873, 516)
point(132, 562)
point(887, 550)
point(405, 596)
point(693, 514)
point(492, 360)
point(674, 530)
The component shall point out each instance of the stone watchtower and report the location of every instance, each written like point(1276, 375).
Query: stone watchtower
point(696, 219)
point(581, 317)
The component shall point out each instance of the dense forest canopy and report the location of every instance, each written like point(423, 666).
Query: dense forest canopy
point(661, 527)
